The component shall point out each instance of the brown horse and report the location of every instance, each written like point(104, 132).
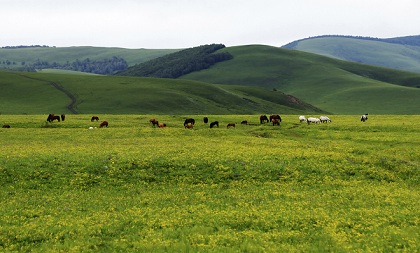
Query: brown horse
point(276, 122)
point(94, 118)
point(230, 125)
point(189, 126)
point(154, 122)
point(162, 125)
point(52, 117)
point(6, 126)
point(275, 116)
point(244, 122)
point(103, 123)
point(263, 119)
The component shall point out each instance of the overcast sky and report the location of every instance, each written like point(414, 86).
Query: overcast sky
point(188, 23)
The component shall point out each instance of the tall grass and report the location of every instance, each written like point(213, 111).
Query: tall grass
point(345, 186)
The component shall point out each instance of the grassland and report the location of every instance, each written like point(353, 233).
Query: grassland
point(37, 93)
point(345, 186)
point(70, 54)
point(335, 86)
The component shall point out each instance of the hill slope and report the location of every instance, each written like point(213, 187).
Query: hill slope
point(18, 58)
point(336, 86)
point(39, 93)
point(400, 53)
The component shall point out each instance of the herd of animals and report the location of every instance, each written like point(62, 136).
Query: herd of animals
point(275, 119)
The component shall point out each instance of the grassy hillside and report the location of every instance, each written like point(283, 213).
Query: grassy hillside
point(43, 93)
point(386, 53)
point(22, 56)
point(336, 86)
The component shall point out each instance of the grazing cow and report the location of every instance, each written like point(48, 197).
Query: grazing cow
point(302, 119)
point(324, 119)
point(313, 120)
point(162, 125)
point(263, 119)
point(6, 126)
point(206, 120)
point(213, 124)
point(364, 117)
point(189, 125)
point(189, 121)
point(52, 117)
point(230, 125)
point(275, 116)
point(94, 118)
point(276, 122)
point(103, 123)
point(63, 117)
point(244, 122)
point(154, 122)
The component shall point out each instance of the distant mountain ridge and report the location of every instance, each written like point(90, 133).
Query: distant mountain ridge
point(401, 53)
point(406, 40)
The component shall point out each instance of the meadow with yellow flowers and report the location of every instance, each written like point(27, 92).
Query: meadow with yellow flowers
point(344, 186)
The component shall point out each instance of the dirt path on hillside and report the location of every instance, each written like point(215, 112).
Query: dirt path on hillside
point(71, 106)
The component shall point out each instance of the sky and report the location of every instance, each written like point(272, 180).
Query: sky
point(174, 24)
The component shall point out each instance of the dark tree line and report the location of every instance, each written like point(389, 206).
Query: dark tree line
point(23, 46)
point(103, 67)
point(180, 63)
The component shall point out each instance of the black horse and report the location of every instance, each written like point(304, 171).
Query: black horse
point(206, 120)
point(52, 117)
point(189, 121)
point(213, 124)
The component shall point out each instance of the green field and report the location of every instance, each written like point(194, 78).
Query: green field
point(344, 186)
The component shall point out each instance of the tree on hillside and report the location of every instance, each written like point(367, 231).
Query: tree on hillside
point(180, 63)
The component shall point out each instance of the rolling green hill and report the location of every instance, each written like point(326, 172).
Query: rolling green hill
point(44, 93)
point(400, 53)
point(17, 58)
point(333, 85)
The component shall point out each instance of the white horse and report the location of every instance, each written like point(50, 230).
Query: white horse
point(313, 120)
point(324, 119)
point(302, 119)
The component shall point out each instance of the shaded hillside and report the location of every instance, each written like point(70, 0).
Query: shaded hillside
point(333, 85)
point(39, 93)
point(399, 53)
point(180, 63)
point(21, 58)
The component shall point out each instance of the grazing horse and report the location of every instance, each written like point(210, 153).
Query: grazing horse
point(244, 122)
point(154, 122)
point(63, 117)
point(230, 125)
point(103, 123)
point(6, 126)
point(275, 116)
point(52, 117)
point(276, 122)
point(206, 120)
point(263, 119)
point(189, 121)
point(364, 117)
point(213, 124)
point(162, 125)
point(94, 118)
